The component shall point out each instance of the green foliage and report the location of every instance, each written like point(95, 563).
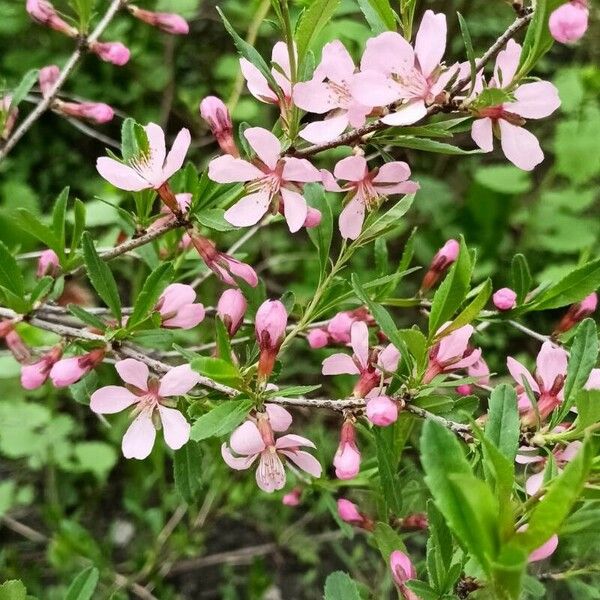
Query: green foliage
point(220, 420)
point(340, 586)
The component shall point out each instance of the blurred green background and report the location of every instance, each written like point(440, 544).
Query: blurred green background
point(60, 470)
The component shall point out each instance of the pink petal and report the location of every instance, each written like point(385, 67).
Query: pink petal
point(518, 372)
point(279, 417)
point(325, 131)
point(134, 372)
point(534, 100)
point(593, 382)
point(315, 96)
point(388, 358)
point(359, 340)
point(293, 441)
point(270, 474)
point(357, 114)
point(374, 88)
point(176, 429)
point(187, 317)
point(300, 169)
point(338, 364)
point(551, 363)
point(256, 82)
point(545, 550)
point(507, 63)
point(120, 175)
point(534, 483)
point(235, 462)
point(482, 134)
point(352, 218)
point(246, 439)
point(175, 296)
point(177, 153)
point(249, 210)
point(139, 438)
point(455, 344)
point(519, 146)
point(307, 462)
point(329, 182)
point(407, 114)
point(178, 381)
point(430, 43)
point(336, 62)
point(265, 144)
point(404, 187)
point(112, 399)
point(352, 168)
point(392, 172)
point(468, 360)
point(387, 53)
point(294, 209)
point(227, 169)
point(156, 142)
point(526, 458)
point(570, 452)
point(281, 57)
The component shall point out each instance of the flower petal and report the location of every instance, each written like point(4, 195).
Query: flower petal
point(246, 439)
point(139, 438)
point(307, 462)
point(482, 134)
point(359, 340)
point(270, 474)
point(134, 372)
point(112, 399)
point(387, 53)
point(351, 168)
point(507, 63)
point(292, 440)
point(187, 317)
point(551, 363)
point(300, 169)
point(388, 358)
point(352, 218)
point(374, 88)
point(175, 296)
point(392, 172)
point(336, 63)
point(338, 364)
point(227, 169)
point(520, 146)
point(326, 130)
point(156, 142)
point(120, 175)
point(430, 43)
point(534, 100)
point(295, 209)
point(454, 345)
point(265, 144)
point(178, 381)
point(235, 462)
point(249, 209)
point(257, 82)
point(176, 429)
point(545, 550)
point(519, 371)
point(177, 153)
point(315, 96)
point(279, 417)
point(407, 114)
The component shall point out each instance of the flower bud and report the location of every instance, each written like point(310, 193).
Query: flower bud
point(441, 262)
point(569, 22)
point(415, 521)
point(231, 308)
point(48, 264)
point(177, 307)
point(96, 112)
point(577, 312)
point(168, 22)
point(382, 411)
point(292, 498)
point(313, 218)
point(44, 13)
point(464, 390)
point(347, 457)
point(216, 114)
point(17, 347)
point(402, 571)
point(505, 299)
point(112, 52)
point(34, 375)
point(348, 511)
point(47, 77)
point(67, 371)
point(317, 338)
point(270, 323)
point(339, 327)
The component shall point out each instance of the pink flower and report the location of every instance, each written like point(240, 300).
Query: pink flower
point(231, 309)
point(317, 338)
point(366, 189)
point(369, 364)
point(478, 370)
point(177, 308)
point(168, 22)
point(112, 52)
point(382, 411)
point(214, 111)
point(255, 439)
point(182, 201)
point(402, 571)
point(531, 101)
point(34, 375)
point(442, 261)
point(273, 180)
point(47, 77)
point(505, 299)
point(569, 22)
point(148, 395)
point(8, 117)
point(270, 323)
point(451, 353)
point(347, 457)
point(225, 267)
point(152, 168)
point(331, 89)
point(545, 550)
point(348, 511)
point(577, 312)
point(48, 264)
point(257, 83)
point(67, 371)
point(339, 327)
point(43, 12)
point(17, 346)
point(96, 112)
point(392, 70)
point(313, 218)
point(292, 498)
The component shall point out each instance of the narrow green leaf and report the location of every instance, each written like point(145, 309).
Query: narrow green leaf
point(379, 15)
point(59, 218)
point(79, 223)
point(27, 82)
point(87, 317)
point(340, 586)
point(311, 23)
point(187, 470)
point(425, 144)
point(464, 29)
point(387, 463)
point(220, 420)
point(588, 409)
point(216, 368)
point(502, 427)
point(321, 235)
point(151, 290)
point(520, 277)
point(10, 273)
point(84, 585)
point(377, 224)
point(29, 223)
point(583, 357)
point(472, 310)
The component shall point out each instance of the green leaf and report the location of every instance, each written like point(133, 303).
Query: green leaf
point(322, 234)
point(387, 463)
point(503, 426)
point(572, 288)
point(27, 82)
point(153, 287)
point(134, 140)
point(439, 550)
point(340, 586)
point(216, 368)
point(311, 22)
point(29, 223)
point(583, 357)
point(84, 585)
point(59, 219)
point(101, 276)
point(520, 277)
point(452, 291)
point(588, 409)
point(13, 590)
point(220, 420)
point(79, 223)
point(86, 317)
point(213, 219)
point(472, 310)
point(464, 29)
point(425, 144)
point(507, 572)
point(10, 273)
point(377, 224)
point(95, 457)
point(187, 464)
point(379, 15)
point(387, 539)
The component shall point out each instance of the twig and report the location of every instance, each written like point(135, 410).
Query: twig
point(527, 331)
point(71, 63)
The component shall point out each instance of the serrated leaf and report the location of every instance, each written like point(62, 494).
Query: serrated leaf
point(216, 368)
point(10, 274)
point(86, 317)
point(153, 287)
point(59, 218)
point(520, 277)
point(503, 426)
point(29, 223)
point(387, 464)
point(340, 586)
point(220, 420)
